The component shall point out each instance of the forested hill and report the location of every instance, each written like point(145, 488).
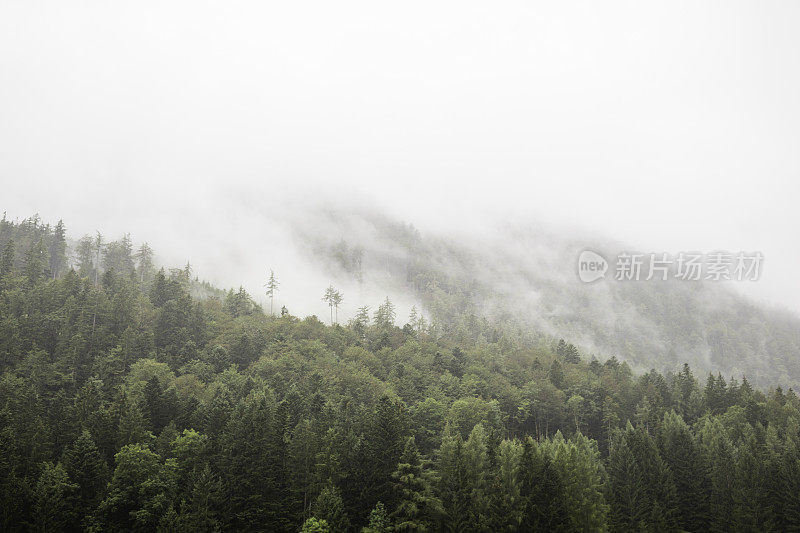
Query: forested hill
point(522, 282)
point(136, 399)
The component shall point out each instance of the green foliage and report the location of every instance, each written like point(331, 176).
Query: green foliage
point(215, 416)
point(329, 508)
point(417, 509)
point(52, 506)
point(378, 520)
point(315, 525)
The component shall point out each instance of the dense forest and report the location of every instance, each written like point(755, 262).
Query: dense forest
point(522, 281)
point(136, 398)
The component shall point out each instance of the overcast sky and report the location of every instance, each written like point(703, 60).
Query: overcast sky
point(672, 126)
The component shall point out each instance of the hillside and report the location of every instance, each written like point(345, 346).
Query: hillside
point(521, 282)
point(128, 404)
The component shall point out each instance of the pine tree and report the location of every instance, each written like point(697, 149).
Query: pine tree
point(583, 480)
point(505, 488)
point(361, 322)
point(642, 488)
point(315, 525)
point(556, 374)
point(333, 299)
point(272, 287)
point(380, 455)
point(87, 469)
point(7, 259)
point(85, 256)
point(140, 490)
point(690, 473)
point(253, 464)
point(154, 406)
point(33, 267)
point(144, 263)
point(541, 491)
point(329, 507)
point(719, 453)
point(751, 509)
point(378, 520)
point(58, 250)
point(52, 508)
point(453, 486)
point(627, 498)
point(385, 315)
point(416, 507)
point(98, 250)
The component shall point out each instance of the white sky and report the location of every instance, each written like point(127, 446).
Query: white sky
point(672, 125)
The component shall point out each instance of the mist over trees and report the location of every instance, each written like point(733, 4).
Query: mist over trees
point(134, 397)
point(520, 283)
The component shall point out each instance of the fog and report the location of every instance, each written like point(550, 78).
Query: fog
point(212, 129)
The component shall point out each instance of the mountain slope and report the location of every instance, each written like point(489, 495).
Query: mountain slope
point(521, 283)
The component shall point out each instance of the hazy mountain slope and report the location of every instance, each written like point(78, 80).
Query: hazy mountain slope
point(521, 282)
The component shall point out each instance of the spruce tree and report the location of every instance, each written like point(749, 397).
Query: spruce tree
point(329, 507)
point(417, 507)
point(53, 509)
point(690, 473)
point(87, 469)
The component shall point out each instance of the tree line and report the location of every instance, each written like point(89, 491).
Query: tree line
point(135, 398)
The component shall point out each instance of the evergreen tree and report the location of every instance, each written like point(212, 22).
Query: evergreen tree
point(642, 488)
point(556, 375)
point(719, 453)
point(690, 473)
point(34, 265)
point(541, 491)
point(52, 506)
point(272, 287)
point(417, 507)
point(7, 259)
point(144, 264)
point(453, 486)
point(380, 455)
point(140, 490)
point(254, 466)
point(361, 322)
point(378, 520)
point(314, 525)
point(583, 480)
point(58, 250)
point(87, 469)
point(328, 507)
point(385, 315)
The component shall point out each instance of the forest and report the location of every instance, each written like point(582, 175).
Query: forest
point(138, 398)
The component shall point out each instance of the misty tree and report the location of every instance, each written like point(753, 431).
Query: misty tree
point(385, 315)
point(361, 321)
point(416, 320)
point(422, 323)
point(58, 250)
point(334, 299)
point(7, 258)
point(568, 351)
point(272, 286)
point(34, 262)
point(337, 301)
point(118, 256)
point(98, 248)
point(84, 253)
point(144, 262)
